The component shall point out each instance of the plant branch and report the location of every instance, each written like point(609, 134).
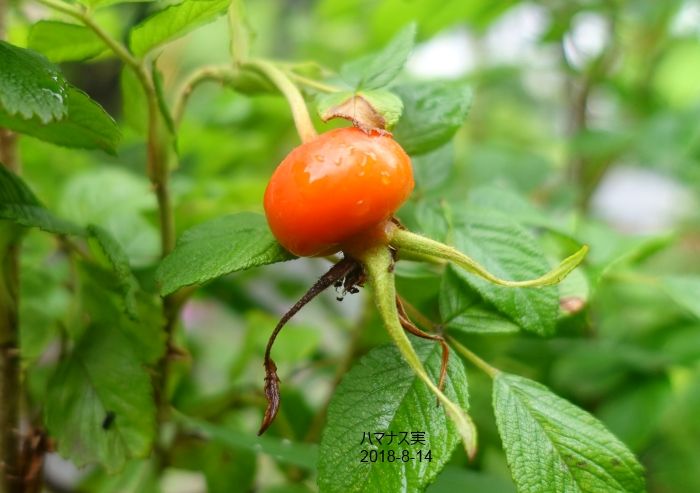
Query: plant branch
point(312, 83)
point(221, 74)
point(412, 243)
point(378, 264)
point(300, 113)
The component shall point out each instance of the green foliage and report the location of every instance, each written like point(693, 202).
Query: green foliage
point(102, 381)
point(173, 22)
point(406, 405)
point(85, 124)
point(380, 69)
point(62, 42)
point(432, 114)
point(19, 205)
point(552, 444)
point(150, 384)
point(30, 86)
point(220, 246)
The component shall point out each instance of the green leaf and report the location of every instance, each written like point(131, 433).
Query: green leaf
point(173, 22)
point(462, 309)
point(510, 252)
point(685, 290)
point(432, 114)
point(366, 109)
point(85, 125)
point(283, 451)
point(381, 394)
point(62, 42)
point(378, 70)
point(552, 445)
point(217, 247)
point(104, 245)
point(19, 205)
point(30, 86)
point(134, 313)
point(99, 403)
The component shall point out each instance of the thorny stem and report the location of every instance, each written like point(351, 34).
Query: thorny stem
point(378, 263)
point(476, 361)
point(300, 112)
point(341, 270)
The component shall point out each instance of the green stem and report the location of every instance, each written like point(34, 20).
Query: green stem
point(378, 264)
point(415, 244)
point(239, 30)
point(312, 83)
point(220, 74)
point(296, 102)
point(475, 360)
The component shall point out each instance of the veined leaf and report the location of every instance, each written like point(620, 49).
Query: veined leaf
point(217, 247)
point(30, 86)
point(552, 445)
point(173, 22)
point(400, 403)
point(432, 114)
point(99, 404)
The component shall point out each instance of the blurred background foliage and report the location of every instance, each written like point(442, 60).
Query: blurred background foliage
point(585, 123)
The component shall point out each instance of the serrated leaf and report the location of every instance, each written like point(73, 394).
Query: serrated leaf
point(462, 309)
point(19, 205)
point(378, 70)
point(173, 22)
point(685, 290)
point(367, 110)
point(30, 86)
point(552, 445)
point(382, 394)
point(61, 42)
point(99, 404)
point(432, 114)
point(217, 247)
point(85, 125)
point(455, 478)
point(509, 252)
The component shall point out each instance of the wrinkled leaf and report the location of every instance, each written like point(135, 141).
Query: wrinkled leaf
point(99, 404)
point(381, 394)
point(217, 247)
point(432, 114)
point(552, 445)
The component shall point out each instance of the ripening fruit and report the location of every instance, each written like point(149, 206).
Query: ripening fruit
point(336, 189)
